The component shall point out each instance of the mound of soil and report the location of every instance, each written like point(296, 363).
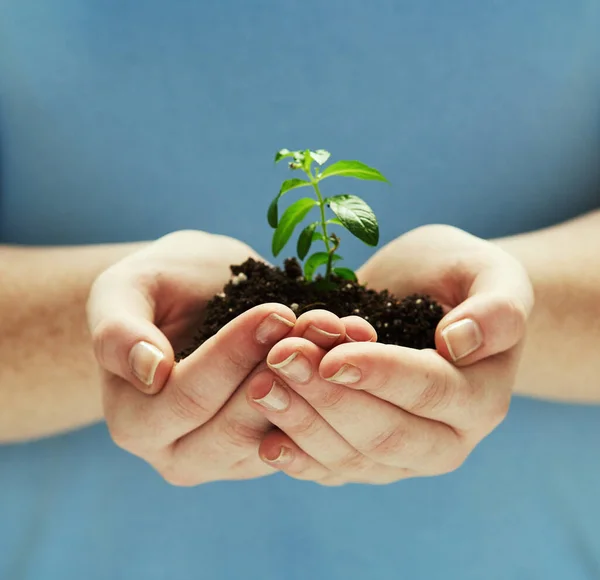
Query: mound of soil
point(409, 321)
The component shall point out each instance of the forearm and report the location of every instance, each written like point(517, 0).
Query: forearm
point(561, 357)
point(48, 375)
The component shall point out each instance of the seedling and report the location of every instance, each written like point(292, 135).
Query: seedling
point(351, 212)
point(409, 321)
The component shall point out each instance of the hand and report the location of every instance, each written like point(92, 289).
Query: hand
point(377, 413)
point(182, 419)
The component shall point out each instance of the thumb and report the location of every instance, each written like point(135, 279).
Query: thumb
point(493, 317)
point(125, 339)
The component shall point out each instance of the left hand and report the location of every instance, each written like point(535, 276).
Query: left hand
point(374, 413)
point(180, 419)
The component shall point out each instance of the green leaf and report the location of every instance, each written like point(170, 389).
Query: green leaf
point(335, 222)
point(282, 154)
point(356, 216)
point(272, 214)
point(352, 169)
point(346, 274)
point(305, 240)
point(292, 184)
point(315, 261)
point(311, 265)
point(320, 156)
point(291, 217)
point(318, 236)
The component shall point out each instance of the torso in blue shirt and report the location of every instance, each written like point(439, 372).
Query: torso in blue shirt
point(126, 120)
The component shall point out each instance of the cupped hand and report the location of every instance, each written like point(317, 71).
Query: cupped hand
point(183, 418)
point(374, 413)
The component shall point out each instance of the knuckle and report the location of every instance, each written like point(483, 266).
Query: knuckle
point(389, 443)
point(303, 468)
point(239, 359)
point(187, 404)
point(331, 398)
point(307, 426)
point(508, 319)
point(353, 462)
point(239, 434)
point(299, 470)
point(107, 332)
point(437, 394)
point(514, 312)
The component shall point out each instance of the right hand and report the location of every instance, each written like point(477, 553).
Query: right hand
point(189, 421)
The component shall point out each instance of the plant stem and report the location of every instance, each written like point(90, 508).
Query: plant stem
point(315, 184)
point(322, 207)
point(336, 244)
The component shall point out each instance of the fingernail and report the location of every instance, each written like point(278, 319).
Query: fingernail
point(370, 339)
point(144, 359)
point(347, 375)
point(295, 367)
point(462, 338)
point(277, 399)
point(271, 328)
point(284, 455)
point(323, 332)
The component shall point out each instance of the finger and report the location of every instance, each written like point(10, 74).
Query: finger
point(228, 443)
point(486, 290)
point(326, 330)
point(203, 469)
point(121, 322)
point(231, 437)
point(321, 327)
point(358, 329)
point(280, 452)
point(226, 447)
point(374, 427)
point(198, 386)
point(309, 448)
point(423, 383)
point(287, 410)
point(493, 317)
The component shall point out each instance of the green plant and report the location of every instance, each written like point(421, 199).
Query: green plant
point(351, 211)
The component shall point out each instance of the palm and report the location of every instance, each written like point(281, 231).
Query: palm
point(190, 267)
point(421, 261)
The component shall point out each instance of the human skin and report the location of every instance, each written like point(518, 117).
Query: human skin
point(51, 383)
point(373, 413)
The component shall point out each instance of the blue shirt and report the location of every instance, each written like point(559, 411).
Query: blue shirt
point(123, 120)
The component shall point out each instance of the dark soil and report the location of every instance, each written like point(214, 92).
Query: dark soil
point(410, 321)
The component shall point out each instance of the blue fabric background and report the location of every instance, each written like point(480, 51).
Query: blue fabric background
point(122, 120)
